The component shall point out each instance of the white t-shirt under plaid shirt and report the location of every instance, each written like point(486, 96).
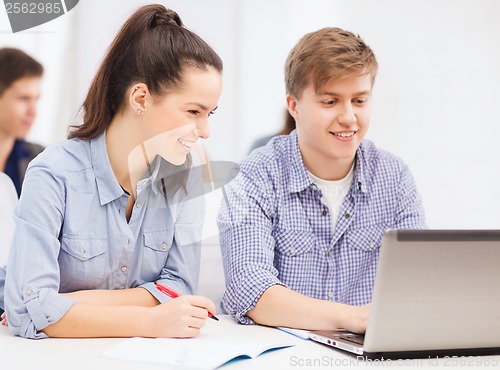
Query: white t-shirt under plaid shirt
point(274, 228)
point(333, 193)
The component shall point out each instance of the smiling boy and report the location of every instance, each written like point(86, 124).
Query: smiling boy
point(302, 226)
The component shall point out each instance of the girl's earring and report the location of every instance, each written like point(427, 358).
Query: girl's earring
point(139, 111)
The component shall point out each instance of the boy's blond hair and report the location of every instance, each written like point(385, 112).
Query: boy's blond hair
point(329, 53)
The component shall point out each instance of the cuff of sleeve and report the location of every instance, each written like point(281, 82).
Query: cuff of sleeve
point(242, 296)
point(162, 298)
point(44, 307)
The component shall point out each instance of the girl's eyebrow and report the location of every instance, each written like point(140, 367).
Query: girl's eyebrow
point(203, 107)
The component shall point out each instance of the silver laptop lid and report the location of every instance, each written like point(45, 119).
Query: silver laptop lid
point(436, 289)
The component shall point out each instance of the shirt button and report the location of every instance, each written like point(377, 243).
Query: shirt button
point(330, 253)
point(124, 268)
point(164, 246)
point(372, 244)
point(323, 213)
point(292, 250)
point(28, 292)
point(347, 215)
point(138, 205)
point(85, 255)
point(330, 294)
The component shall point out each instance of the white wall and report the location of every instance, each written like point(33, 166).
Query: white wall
point(435, 95)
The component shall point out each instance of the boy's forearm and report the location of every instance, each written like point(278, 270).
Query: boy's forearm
point(280, 306)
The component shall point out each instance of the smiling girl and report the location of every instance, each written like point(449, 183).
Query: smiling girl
point(95, 228)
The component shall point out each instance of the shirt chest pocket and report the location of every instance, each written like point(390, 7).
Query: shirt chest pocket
point(294, 243)
point(157, 246)
point(83, 262)
point(366, 239)
point(293, 248)
point(294, 258)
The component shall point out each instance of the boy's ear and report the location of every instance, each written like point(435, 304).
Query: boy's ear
point(291, 103)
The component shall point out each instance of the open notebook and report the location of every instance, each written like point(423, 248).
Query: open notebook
point(204, 352)
point(300, 333)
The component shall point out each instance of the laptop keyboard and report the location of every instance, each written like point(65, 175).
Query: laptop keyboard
point(353, 338)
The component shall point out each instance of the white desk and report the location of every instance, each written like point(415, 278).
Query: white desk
point(75, 354)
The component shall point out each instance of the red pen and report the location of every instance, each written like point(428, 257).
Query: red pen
point(173, 294)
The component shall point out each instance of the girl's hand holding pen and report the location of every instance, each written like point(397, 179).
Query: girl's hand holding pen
point(182, 317)
point(173, 294)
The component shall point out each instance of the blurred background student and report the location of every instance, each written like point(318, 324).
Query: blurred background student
point(20, 80)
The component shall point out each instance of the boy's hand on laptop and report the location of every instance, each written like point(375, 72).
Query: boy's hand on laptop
point(356, 318)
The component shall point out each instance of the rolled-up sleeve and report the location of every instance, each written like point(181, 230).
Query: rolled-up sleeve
point(32, 299)
point(245, 229)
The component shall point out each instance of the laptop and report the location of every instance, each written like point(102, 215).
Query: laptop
point(436, 293)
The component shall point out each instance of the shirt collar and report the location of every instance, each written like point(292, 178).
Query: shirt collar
point(20, 149)
point(108, 187)
point(152, 180)
point(360, 171)
point(299, 176)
